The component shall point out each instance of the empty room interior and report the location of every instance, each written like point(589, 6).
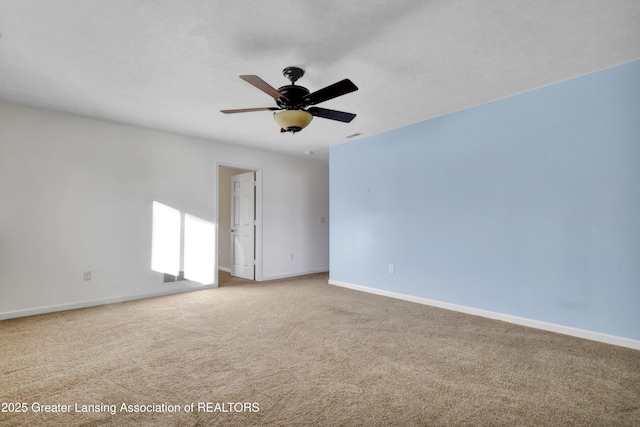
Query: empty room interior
point(320, 213)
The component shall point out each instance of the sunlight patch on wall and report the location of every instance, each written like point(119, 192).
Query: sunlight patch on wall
point(165, 246)
point(183, 243)
point(199, 252)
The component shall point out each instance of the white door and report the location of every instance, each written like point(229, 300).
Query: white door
point(243, 225)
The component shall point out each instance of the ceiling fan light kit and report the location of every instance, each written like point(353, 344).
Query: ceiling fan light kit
point(293, 120)
point(297, 101)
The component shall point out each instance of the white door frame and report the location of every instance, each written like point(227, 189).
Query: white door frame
point(224, 228)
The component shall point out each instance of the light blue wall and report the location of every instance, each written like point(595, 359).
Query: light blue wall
point(527, 206)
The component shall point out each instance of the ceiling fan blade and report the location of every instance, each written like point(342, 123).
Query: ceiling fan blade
point(325, 113)
point(247, 110)
point(263, 86)
point(332, 91)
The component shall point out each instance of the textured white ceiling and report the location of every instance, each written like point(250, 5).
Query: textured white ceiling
point(173, 64)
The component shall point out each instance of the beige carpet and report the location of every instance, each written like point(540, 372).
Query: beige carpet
point(305, 353)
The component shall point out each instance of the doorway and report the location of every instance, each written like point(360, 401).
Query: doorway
point(239, 248)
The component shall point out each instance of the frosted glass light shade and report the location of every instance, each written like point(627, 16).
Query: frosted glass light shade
point(293, 120)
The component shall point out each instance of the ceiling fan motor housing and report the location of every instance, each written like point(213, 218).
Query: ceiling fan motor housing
point(295, 96)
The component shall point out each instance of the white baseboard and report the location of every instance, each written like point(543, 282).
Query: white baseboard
point(84, 304)
point(552, 327)
point(286, 276)
point(228, 270)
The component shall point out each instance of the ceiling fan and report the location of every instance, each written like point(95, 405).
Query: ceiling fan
point(297, 102)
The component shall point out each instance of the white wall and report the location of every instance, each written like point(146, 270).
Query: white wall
point(76, 194)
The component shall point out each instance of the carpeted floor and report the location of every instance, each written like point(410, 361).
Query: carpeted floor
point(300, 352)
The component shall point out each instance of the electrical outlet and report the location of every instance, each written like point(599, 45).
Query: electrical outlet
point(291, 257)
point(86, 275)
point(322, 220)
point(392, 269)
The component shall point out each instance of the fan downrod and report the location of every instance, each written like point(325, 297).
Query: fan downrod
point(293, 73)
